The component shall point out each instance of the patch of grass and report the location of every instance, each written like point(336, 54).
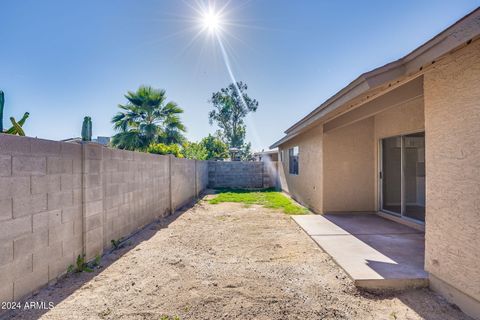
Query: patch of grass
point(268, 198)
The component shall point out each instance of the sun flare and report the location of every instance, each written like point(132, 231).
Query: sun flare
point(211, 21)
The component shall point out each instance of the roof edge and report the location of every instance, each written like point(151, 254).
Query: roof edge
point(460, 31)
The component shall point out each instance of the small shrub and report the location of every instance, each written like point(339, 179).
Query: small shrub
point(117, 244)
point(96, 262)
point(82, 265)
point(161, 148)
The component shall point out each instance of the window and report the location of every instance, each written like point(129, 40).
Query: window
point(293, 160)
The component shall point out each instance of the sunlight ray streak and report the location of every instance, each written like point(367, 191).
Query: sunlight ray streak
point(226, 60)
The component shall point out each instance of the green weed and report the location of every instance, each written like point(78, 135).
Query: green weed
point(82, 265)
point(96, 262)
point(116, 244)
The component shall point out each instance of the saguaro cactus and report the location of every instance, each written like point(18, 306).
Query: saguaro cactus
point(87, 129)
point(2, 104)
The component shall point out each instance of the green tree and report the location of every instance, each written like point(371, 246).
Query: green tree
point(230, 107)
point(215, 147)
point(195, 150)
point(246, 152)
point(147, 118)
point(173, 130)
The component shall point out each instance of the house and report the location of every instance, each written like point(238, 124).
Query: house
point(403, 141)
point(269, 155)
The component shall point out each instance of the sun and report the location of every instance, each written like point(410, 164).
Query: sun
point(211, 21)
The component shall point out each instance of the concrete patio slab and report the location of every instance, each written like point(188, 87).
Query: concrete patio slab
point(375, 252)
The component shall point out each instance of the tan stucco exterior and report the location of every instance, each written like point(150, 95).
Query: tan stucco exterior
point(452, 120)
point(405, 118)
point(306, 187)
point(444, 102)
point(349, 168)
point(402, 119)
point(349, 156)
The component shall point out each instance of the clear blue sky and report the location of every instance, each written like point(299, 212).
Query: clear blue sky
point(61, 60)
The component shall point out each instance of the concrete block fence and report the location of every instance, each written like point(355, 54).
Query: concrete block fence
point(242, 174)
point(60, 200)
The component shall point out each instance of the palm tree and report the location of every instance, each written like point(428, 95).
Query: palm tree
point(173, 130)
point(146, 118)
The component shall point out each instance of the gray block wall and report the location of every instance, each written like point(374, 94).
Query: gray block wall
point(242, 174)
point(183, 188)
point(60, 200)
point(202, 175)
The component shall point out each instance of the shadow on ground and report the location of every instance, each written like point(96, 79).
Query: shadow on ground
point(68, 284)
point(227, 261)
point(419, 300)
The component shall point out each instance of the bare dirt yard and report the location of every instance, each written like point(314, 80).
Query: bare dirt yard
point(226, 261)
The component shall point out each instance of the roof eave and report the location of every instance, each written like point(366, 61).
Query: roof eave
point(451, 38)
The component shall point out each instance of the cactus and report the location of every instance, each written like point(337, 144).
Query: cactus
point(17, 126)
point(87, 129)
point(2, 103)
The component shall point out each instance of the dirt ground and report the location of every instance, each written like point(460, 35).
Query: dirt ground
point(226, 261)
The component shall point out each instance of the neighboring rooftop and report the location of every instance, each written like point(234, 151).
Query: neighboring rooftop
point(101, 140)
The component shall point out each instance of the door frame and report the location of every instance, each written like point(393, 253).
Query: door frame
point(400, 215)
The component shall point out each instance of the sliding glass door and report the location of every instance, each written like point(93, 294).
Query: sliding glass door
point(392, 175)
point(402, 176)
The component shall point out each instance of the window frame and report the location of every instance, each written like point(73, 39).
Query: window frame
point(294, 161)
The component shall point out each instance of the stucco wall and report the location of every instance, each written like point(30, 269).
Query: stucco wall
point(350, 153)
point(349, 168)
point(449, 113)
point(452, 120)
point(60, 200)
point(306, 187)
point(405, 118)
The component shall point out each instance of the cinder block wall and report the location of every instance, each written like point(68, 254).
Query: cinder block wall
point(241, 174)
point(135, 191)
point(40, 212)
point(60, 200)
point(202, 175)
point(183, 190)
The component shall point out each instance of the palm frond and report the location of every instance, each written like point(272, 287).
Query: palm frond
point(146, 118)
